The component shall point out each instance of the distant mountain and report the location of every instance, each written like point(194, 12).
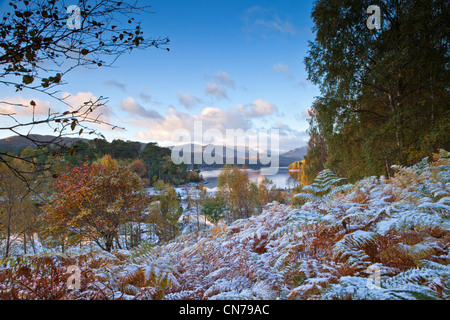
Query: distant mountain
point(18, 142)
point(233, 154)
point(230, 154)
point(296, 154)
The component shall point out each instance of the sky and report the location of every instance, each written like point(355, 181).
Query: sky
point(234, 64)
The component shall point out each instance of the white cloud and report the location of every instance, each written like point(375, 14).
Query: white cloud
point(293, 140)
point(162, 129)
point(283, 127)
point(20, 107)
point(218, 84)
point(215, 90)
point(76, 101)
point(115, 84)
point(303, 115)
point(256, 109)
point(214, 114)
point(133, 108)
point(266, 23)
point(283, 69)
point(188, 100)
point(224, 78)
point(210, 117)
point(147, 98)
point(260, 108)
point(102, 113)
point(277, 24)
point(289, 137)
point(223, 119)
point(213, 118)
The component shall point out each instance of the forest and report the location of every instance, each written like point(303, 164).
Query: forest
point(368, 220)
point(384, 93)
point(150, 162)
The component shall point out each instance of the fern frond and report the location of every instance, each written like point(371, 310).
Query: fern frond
point(335, 190)
point(132, 275)
point(308, 196)
point(431, 281)
point(323, 187)
point(441, 209)
point(159, 273)
point(361, 239)
point(145, 251)
point(352, 248)
point(424, 250)
point(404, 217)
point(324, 181)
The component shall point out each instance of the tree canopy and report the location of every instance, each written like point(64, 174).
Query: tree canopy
point(92, 201)
point(384, 92)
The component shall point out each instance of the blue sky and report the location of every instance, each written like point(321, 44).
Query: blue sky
point(235, 64)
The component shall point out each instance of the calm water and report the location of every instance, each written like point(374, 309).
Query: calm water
point(281, 180)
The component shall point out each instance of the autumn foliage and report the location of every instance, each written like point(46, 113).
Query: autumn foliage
point(327, 248)
point(92, 201)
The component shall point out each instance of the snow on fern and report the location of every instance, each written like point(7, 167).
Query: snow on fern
point(320, 250)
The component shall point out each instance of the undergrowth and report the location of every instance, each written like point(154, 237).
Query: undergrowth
point(326, 248)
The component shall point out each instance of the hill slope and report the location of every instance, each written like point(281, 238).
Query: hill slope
point(296, 154)
point(18, 142)
point(285, 159)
